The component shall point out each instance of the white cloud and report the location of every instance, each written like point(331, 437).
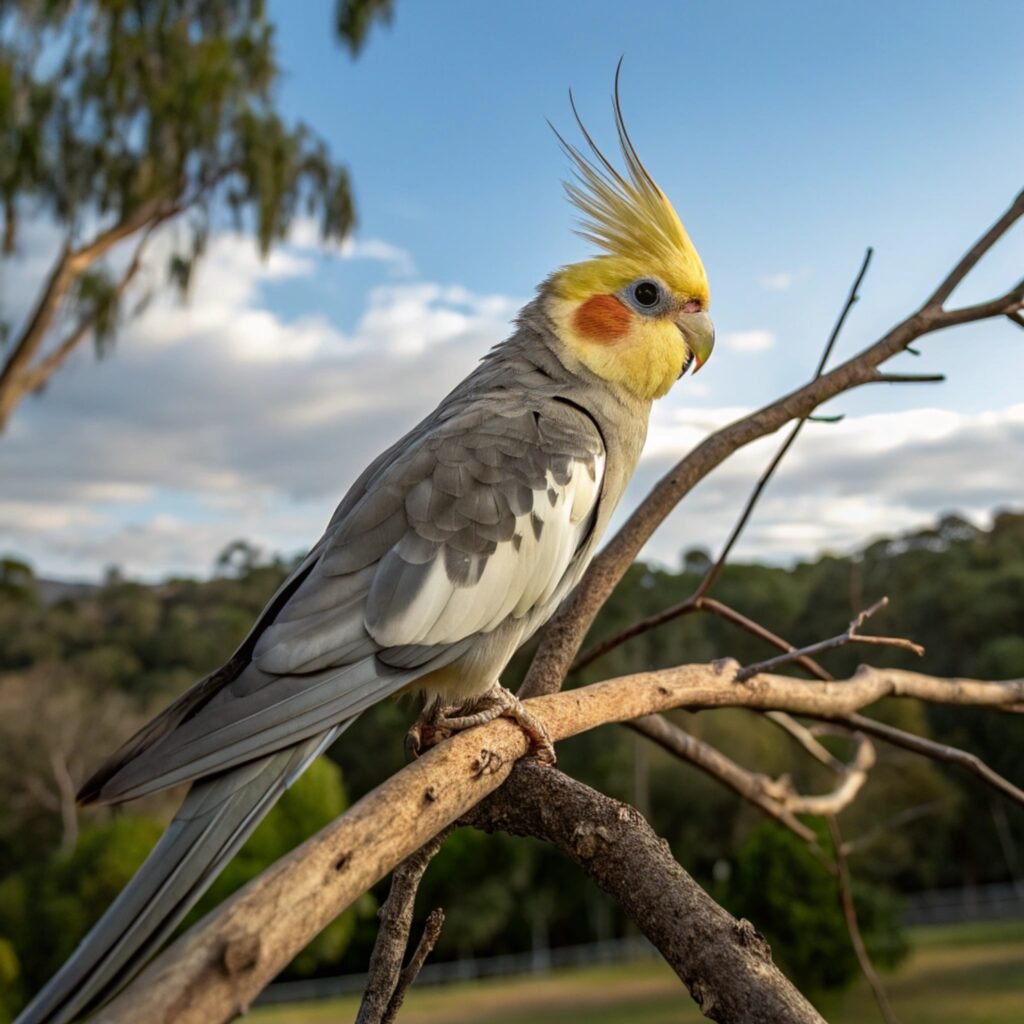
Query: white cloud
point(777, 282)
point(222, 419)
point(304, 235)
point(757, 340)
point(842, 484)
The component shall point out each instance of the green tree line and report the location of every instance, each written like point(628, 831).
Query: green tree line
point(81, 668)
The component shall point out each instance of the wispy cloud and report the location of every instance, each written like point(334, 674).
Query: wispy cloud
point(778, 282)
point(223, 419)
point(758, 340)
point(304, 235)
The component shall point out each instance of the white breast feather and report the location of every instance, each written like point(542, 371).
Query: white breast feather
point(513, 581)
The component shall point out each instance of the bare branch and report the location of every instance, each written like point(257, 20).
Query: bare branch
point(775, 797)
point(908, 378)
point(725, 964)
point(388, 982)
point(715, 571)
point(277, 914)
point(702, 604)
point(930, 748)
point(850, 915)
point(561, 638)
point(805, 738)
point(1017, 318)
point(757, 789)
point(973, 255)
point(841, 640)
point(852, 779)
point(431, 933)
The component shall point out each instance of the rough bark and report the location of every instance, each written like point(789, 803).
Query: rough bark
point(724, 963)
point(215, 971)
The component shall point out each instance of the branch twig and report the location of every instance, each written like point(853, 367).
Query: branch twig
point(930, 748)
point(757, 789)
point(410, 972)
point(840, 640)
point(715, 571)
point(388, 981)
point(850, 915)
point(775, 797)
point(690, 605)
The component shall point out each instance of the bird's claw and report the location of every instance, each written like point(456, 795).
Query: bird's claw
point(438, 722)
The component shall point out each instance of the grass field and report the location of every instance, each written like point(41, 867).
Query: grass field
point(967, 974)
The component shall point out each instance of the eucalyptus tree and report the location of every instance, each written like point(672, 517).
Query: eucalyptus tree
point(120, 116)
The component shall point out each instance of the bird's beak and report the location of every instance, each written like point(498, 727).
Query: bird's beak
point(699, 334)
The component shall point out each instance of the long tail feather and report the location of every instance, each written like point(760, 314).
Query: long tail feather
point(216, 817)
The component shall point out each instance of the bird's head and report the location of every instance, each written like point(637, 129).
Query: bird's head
point(636, 315)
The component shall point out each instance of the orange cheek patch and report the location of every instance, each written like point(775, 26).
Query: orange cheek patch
point(602, 318)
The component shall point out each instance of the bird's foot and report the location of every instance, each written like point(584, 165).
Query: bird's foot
point(438, 722)
point(427, 731)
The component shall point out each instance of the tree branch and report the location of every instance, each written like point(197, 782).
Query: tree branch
point(687, 607)
point(35, 377)
point(930, 748)
point(715, 571)
point(388, 981)
point(68, 266)
point(725, 964)
point(850, 916)
point(974, 255)
point(563, 635)
point(841, 640)
point(755, 788)
point(776, 798)
point(277, 914)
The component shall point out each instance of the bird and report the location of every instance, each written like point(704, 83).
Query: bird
point(448, 552)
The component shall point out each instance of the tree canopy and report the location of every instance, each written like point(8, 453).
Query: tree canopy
point(123, 649)
point(117, 117)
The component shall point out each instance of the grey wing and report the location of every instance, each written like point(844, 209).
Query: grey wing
point(476, 521)
point(492, 533)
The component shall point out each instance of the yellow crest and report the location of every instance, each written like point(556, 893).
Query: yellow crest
point(630, 218)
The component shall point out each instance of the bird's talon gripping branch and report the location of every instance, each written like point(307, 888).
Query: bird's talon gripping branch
point(427, 731)
point(438, 722)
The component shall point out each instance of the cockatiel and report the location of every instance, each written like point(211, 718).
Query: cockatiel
point(449, 551)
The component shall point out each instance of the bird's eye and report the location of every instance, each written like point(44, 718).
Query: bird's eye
point(646, 293)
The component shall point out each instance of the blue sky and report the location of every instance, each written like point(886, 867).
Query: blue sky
point(789, 136)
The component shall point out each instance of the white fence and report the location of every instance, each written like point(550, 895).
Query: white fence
point(943, 906)
point(1002, 902)
point(535, 962)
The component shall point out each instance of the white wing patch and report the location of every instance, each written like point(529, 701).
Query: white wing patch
point(521, 574)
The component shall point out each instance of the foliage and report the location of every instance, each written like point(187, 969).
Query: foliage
point(88, 665)
point(48, 905)
point(116, 118)
point(108, 106)
point(785, 890)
